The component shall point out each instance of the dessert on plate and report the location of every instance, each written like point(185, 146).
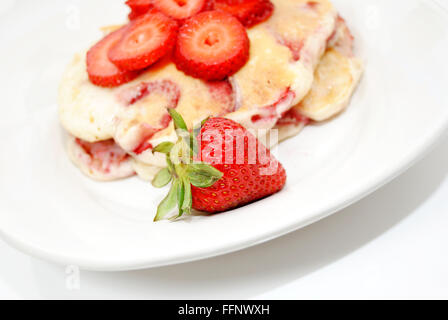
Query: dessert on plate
point(260, 64)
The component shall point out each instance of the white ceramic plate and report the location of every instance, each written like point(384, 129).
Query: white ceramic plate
point(49, 209)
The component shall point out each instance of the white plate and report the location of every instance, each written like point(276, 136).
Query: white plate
point(49, 209)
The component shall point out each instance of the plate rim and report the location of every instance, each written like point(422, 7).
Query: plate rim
point(401, 165)
point(407, 161)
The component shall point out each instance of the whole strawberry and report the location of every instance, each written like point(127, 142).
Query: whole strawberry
point(215, 168)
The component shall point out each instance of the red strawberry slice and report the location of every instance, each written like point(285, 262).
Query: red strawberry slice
point(180, 9)
point(138, 7)
point(133, 15)
point(231, 169)
point(101, 71)
point(249, 12)
point(212, 46)
point(146, 40)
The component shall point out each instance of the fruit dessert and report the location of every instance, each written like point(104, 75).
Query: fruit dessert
point(251, 64)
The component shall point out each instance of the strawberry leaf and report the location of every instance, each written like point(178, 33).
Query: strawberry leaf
point(164, 147)
point(194, 145)
point(162, 178)
point(181, 170)
point(205, 169)
point(203, 175)
point(188, 199)
point(194, 135)
point(202, 181)
point(197, 128)
point(169, 203)
point(180, 197)
point(204, 121)
point(170, 164)
point(180, 153)
point(179, 122)
point(190, 144)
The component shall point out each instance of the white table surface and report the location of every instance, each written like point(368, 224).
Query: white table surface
point(392, 244)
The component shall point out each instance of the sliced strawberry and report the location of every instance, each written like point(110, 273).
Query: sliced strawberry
point(138, 7)
point(208, 5)
point(101, 71)
point(249, 12)
point(133, 15)
point(180, 9)
point(212, 46)
point(146, 40)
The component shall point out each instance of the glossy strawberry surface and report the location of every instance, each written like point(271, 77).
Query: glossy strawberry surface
point(250, 172)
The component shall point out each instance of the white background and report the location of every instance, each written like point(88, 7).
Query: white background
point(392, 244)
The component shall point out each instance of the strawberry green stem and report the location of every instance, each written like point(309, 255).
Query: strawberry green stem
point(181, 170)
